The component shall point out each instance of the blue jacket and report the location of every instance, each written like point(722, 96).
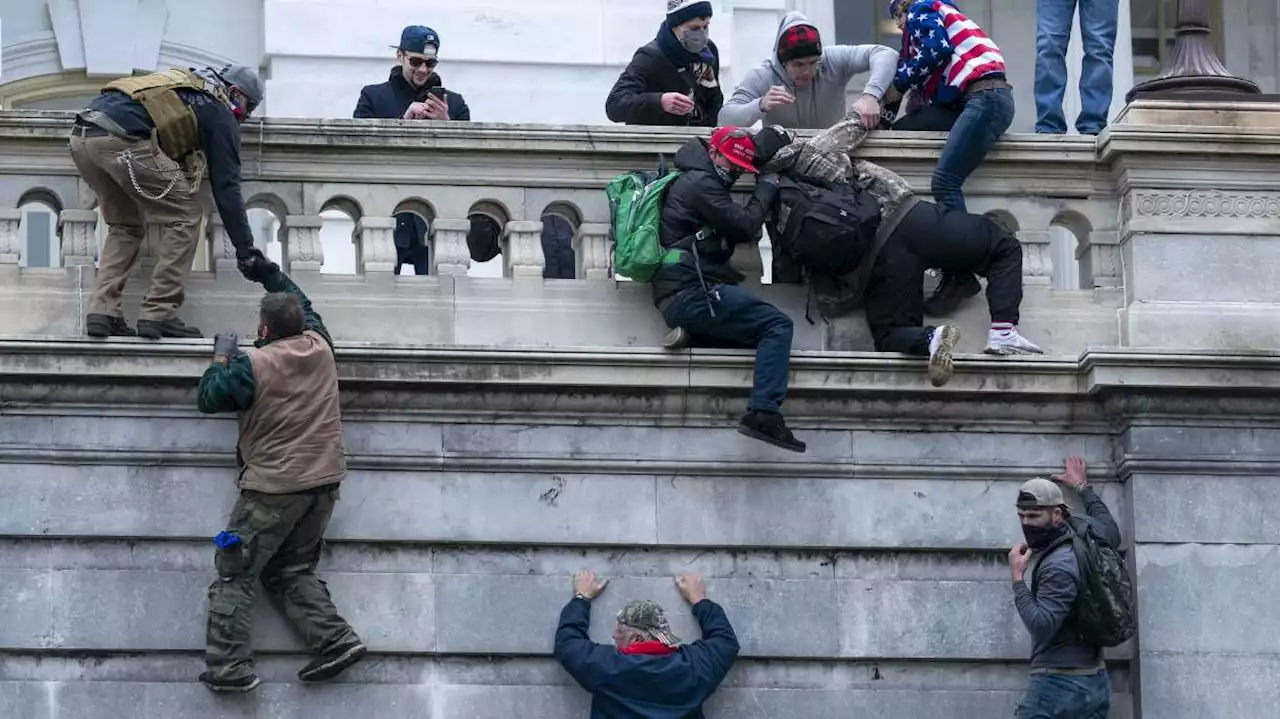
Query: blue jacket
point(647, 687)
point(390, 100)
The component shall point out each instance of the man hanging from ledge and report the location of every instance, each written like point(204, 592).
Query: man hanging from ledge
point(291, 461)
point(648, 672)
point(878, 254)
point(142, 146)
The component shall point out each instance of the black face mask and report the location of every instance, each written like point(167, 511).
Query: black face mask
point(1041, 537)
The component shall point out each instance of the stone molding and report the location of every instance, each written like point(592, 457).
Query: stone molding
point(1204, 203)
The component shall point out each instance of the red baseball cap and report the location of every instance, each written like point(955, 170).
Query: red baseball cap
point(737, 145)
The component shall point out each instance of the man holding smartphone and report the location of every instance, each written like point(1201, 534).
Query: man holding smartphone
point(414, 91)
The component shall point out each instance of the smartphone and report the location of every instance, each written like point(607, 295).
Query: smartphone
point(438, 93)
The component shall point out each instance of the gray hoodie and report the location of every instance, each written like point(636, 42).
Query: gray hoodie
point(823, 103)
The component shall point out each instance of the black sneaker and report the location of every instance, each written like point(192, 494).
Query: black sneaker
point(155, 329)
point(333, 663)
point(676, 339)
point(102, 326)
point(951, 293)
point(231, 686)
point(769, 427)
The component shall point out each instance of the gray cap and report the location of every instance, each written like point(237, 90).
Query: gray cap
point(245, 78)
point(647, 616)
point(1040, 493)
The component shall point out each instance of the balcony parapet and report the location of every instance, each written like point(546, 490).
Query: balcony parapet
point(1169, 178)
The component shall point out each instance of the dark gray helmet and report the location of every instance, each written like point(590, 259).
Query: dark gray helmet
point(244, 78)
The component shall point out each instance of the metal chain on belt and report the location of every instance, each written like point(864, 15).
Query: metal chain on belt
point(127, 158)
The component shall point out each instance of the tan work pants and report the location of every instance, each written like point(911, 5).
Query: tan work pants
point(157, 192)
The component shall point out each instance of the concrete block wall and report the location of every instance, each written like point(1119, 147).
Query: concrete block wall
point(868, 573)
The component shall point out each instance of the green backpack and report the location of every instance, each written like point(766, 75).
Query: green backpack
point(635, 208)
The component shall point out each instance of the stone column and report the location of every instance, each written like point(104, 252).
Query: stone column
point(222, 254)
point(1037, 258)
point(523, 254)
point(1099, 256)
point(450, 255)
point(305, 252)
point(591, 250)
point(77, 231)
point(377, 245)
point(10, 240)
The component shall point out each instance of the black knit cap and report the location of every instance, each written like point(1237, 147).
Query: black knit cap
point(799, 41)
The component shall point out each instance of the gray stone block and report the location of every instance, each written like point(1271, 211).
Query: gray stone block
point(930, 620)
point(491, 702)
point(1205, 509)
point(24, 699)
point(1208, 598)
point(1209, 686)
point(148, 610)
point(768, 703)
point(26, 608)
point(1174, 439)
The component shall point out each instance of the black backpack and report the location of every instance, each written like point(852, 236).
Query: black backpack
point(1103, 612)
point(823, 229)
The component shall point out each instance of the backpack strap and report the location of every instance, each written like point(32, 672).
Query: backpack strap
point(863, 274)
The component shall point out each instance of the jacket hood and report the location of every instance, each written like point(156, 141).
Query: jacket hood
point(695, 157)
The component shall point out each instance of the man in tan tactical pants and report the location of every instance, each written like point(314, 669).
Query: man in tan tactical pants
point(143, 145)
point(136, 184)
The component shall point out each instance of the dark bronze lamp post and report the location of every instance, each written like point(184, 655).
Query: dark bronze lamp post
point(1195, 69)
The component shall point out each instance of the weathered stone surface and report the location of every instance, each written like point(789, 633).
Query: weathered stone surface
point(1207, 509)
point(1197, 686)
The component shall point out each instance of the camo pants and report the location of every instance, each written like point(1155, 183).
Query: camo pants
point(282, 537)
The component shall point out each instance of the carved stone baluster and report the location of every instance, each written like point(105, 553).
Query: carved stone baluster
point(305, 251)
point(591, 250)
point(10, 240)
point(1037, 257)
point(523, 254)
point(377, 244)
point(450, 255)
point(1099, 256)
point(78, 232)
point(222, 253)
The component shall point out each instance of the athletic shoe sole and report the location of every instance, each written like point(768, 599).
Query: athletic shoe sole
point(232, 688)
point(753, 434)
point(676, 339)
point(331, 669)
point(942, 366)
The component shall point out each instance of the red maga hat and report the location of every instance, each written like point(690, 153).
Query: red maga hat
point(737, 145)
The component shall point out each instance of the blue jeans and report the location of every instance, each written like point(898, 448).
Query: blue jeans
point(1059, 696)
point(986, 116)
point(1098, 19)
point(744, 321)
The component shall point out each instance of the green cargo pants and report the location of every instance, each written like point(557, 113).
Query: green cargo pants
point(282, 537)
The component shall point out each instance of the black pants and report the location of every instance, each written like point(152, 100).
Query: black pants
point(930, 237)
point(930, 118)
point(417, 255)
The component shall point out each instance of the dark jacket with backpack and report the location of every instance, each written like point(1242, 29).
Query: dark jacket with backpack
point(391, 99)
point(660, 67)
point(668, 685)
point(1047, 598)
point(700, 199)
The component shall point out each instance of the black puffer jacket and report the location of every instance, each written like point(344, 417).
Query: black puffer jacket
point(699, 199)
point(636, 98)
point(390, 100)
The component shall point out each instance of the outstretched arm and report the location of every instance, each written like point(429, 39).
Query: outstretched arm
point(278, 281)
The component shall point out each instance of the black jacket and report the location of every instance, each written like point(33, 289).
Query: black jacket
point(699, 199)
point(219, 137)
point(636, 98)
point(390, 100)
point(627, 686)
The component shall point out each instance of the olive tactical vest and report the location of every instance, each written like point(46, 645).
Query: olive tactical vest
point(176, 128)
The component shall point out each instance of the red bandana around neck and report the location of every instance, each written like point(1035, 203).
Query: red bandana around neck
point(650, 648)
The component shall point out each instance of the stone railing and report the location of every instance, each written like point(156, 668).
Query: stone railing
point(1141, 202)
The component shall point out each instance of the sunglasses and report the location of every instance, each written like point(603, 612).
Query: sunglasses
point(417, 62)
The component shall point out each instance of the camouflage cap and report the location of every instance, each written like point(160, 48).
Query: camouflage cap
point(647, 616)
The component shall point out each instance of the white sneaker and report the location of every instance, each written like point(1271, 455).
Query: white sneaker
point(676, 339)
point(941, 346)
point(1010, 343)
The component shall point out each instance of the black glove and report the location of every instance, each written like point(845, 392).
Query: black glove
point(255, 266)
point(226, 345)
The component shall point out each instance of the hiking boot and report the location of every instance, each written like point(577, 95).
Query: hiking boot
point(155, 329)
point(941, 345)
point(102, 326)
point(230, 686)
point(769, 427)
point(676, 339)
point(1010, 343)
point(951, 293)
point(334, 662)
